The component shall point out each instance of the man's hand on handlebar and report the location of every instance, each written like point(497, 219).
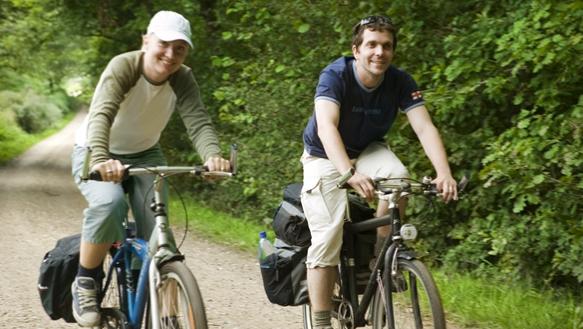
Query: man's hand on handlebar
point(447, 186)
point(363, 185)
point(110, 170)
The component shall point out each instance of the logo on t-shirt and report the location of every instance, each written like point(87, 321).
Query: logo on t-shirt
point(366, 111)
point(416, 95)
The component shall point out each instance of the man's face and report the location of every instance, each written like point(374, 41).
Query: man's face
point(375, 53)
point(162, 58)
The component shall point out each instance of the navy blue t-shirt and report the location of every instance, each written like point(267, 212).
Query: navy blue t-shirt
point(366, 115)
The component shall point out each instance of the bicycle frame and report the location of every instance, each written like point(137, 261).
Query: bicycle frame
point(391, 249)
point(134, 297)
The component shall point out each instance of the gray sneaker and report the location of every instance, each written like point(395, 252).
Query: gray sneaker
point(85, 306)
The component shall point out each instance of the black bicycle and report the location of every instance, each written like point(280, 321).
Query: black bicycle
point(396, 290)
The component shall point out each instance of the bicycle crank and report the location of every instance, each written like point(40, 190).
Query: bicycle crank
point(345, 316)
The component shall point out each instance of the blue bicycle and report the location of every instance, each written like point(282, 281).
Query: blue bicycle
point(146, 282)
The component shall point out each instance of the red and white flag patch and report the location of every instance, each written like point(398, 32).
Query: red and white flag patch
point(416, 95)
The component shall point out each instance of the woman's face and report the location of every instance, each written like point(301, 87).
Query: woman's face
point(162, 58)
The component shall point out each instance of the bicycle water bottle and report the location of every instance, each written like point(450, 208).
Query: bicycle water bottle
point(265, 249)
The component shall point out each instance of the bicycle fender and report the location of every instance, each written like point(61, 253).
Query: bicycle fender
point(164, 256)
point(406, 254)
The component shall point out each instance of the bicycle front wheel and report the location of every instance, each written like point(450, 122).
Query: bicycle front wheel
point(180, 303)
point(416, 303)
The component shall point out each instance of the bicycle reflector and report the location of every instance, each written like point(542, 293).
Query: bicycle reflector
point(408, 232)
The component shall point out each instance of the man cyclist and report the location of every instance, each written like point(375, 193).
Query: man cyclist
point(357, 99)
point(133, 101)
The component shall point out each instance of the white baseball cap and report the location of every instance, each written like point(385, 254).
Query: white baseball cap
point(170, 26)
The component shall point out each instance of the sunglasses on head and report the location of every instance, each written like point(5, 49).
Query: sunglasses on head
point(375, 19)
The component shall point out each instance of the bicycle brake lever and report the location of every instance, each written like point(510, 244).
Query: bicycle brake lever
point(462, 184)
point(233, 159)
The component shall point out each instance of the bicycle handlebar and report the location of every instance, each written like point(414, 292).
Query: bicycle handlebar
point(165, 171)
point(169, 170)
point(385, 186)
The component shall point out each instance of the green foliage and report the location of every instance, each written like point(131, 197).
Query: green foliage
point(24, 116)
point(10, 133)
point(524, 219)
point(36, 113)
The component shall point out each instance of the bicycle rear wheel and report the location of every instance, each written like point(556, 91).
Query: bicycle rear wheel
point(416, 302)
point(180, 303)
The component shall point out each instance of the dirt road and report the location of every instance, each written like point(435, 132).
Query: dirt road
point(40, 204)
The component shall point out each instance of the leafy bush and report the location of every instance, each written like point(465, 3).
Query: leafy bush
point(10, 132)
point(37, 113)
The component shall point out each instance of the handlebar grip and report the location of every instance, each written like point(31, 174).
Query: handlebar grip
point(233, 159)
point(95, 175)
point(463, 183)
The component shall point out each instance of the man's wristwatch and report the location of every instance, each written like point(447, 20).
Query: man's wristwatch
point(346, 176)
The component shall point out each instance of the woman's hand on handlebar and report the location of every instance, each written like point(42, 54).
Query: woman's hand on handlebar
point(363, 185)
point(447, 186)
point(110, 170)
point(217, 163)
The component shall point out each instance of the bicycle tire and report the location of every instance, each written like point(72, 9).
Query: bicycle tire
point(180, 303)
point(426, 312)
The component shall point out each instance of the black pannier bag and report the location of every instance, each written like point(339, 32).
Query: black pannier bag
point(57, 272)
point(284, 275)
point(289, 221)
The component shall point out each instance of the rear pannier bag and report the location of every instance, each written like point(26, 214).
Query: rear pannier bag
point(57, 272)
point(284, 272)
point(289, 221)
point(284, 275)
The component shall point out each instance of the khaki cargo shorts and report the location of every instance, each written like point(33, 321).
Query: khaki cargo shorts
point(325, 205)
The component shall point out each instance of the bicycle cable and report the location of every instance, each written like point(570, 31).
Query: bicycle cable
point(144, 204)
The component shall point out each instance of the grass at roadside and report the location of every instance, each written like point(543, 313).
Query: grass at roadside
point(217, 226)
point(15, 141)
point(506, 305)
point(475, 303)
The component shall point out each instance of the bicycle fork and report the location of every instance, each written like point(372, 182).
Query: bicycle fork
point(389, 269)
